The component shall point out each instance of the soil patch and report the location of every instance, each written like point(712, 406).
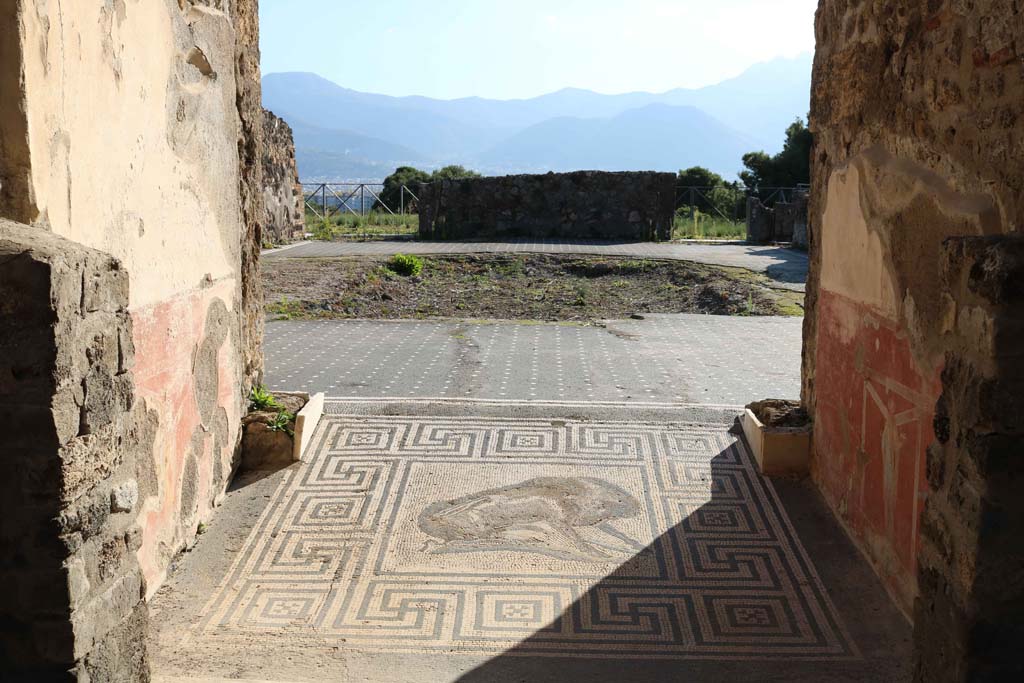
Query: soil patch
point(781, 415)
point(517, 287)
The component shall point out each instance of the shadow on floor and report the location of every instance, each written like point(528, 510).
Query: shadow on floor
point(735, 598)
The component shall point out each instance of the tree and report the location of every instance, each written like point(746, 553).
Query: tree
point(788, 168)
point(453, 173)
point(708, 192)
point(392, 193)
point(411, 177)
point(698, 176)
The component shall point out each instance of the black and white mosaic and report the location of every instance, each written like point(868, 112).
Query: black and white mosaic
point(540, 537)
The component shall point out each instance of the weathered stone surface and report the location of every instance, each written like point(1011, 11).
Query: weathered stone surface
point(69, 565)
point(759, 222)
point(972, 552)
point(284, 217)
point(918, 114)
point(124, 497)
point(785, 221)
point(248, 102)
point(100, 376)
point(586, 204)
point(264, 448)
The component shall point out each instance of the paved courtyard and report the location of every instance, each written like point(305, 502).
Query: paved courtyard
point(788, 267)
point(499, 502)
point(429, 548)
point(663, 358)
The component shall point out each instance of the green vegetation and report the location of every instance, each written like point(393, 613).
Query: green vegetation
point(374, 224)
point(788, 168)
point(282, 422)
point(286, 309)
point(411, 178)
point(709, 207)
point(261, 399)
point(692, 223)
point(407, 265)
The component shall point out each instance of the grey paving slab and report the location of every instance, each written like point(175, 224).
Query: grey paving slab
point(787, 266)
point(710, 360)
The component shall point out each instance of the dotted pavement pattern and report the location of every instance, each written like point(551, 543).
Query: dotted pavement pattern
point(788, 267)
point(665, 358)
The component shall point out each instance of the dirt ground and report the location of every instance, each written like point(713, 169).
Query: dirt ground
point(517, 287)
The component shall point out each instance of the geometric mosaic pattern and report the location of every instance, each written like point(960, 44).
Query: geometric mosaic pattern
point(561, 538)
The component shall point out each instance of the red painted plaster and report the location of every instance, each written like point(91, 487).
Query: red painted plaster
point(873, 423)
point(166, 337)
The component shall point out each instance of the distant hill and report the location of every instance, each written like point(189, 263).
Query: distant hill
point(344, 133)
point(656, 137)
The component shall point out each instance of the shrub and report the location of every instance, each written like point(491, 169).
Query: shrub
point(406, 264)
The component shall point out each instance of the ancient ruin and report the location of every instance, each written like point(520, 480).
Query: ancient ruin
point(284, 215)
point(131, 326)
point(137, 326)
point(785, 221)
point(918, 117)
point(586, 204)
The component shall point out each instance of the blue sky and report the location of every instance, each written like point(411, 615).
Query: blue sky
point(522, 48)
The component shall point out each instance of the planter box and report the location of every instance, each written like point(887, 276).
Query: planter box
point(779, 451)
point(305, 425)
point(265, 449)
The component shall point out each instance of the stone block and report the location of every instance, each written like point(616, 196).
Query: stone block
point(124, 497)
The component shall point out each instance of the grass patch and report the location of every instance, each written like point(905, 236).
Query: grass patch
point(707, 226)
point(287, 309)
point(374, 224)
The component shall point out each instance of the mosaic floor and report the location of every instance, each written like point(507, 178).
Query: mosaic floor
point(548, 537)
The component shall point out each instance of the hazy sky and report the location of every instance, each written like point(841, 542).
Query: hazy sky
point(521, 48)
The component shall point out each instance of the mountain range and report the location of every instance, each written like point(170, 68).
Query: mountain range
point(343, 134)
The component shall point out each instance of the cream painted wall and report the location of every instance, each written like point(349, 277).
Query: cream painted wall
point(127, 103)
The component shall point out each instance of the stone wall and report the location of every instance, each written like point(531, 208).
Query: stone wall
point(918, 116)
point(586, 204)
point(968, 622)
point(783, 222)
point(284, 214)
point(131, 138)
point(76, 452)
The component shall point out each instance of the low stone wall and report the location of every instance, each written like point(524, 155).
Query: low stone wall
point(75, 448)
point(283, 220)
point(585, 204)
point(784, 222)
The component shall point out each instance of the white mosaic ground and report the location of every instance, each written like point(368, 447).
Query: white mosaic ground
point(533, 537)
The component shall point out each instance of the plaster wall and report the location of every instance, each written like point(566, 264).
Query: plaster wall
point(918, 115)
point(135, 148)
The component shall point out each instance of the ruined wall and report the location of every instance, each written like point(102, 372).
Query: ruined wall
point(142, 132)
point(162, 196)
point(75, 451)
point(284, 219)
point(918, 116)
point(586, 204)
point(968, 623)
point(782, 222)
